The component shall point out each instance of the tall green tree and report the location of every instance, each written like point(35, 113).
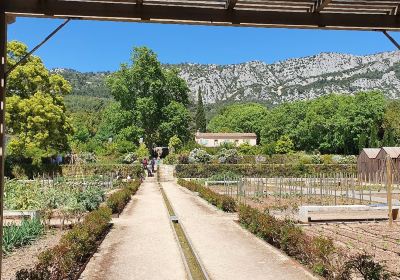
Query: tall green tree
point(247, 117)
point(145, 89)
point(201, 122)
point(36, 115)
point(373, 138)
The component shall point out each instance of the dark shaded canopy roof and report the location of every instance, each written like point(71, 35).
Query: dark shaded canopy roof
point(331, 14)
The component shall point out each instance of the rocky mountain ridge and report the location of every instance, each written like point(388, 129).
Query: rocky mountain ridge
point(292, 79)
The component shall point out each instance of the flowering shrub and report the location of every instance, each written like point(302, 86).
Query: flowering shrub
point(228, 156)
point(199, 156)
point(88, 157)
point(129, 158)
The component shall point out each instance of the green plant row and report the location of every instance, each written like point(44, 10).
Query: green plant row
point(269, 170)
point(223, 202)
point(124, 170)
point(316, 252)
point(65, 260)
point(118, 200)
point(15, 236)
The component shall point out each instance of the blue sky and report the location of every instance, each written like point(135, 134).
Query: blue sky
point(95, 46)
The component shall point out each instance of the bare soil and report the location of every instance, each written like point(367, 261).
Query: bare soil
point(374, 238)
point(26, 257)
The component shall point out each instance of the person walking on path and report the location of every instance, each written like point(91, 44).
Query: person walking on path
point(153, 163)
point(144, 164)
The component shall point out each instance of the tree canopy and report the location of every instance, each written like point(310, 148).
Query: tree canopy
point(247, 117)
point(150, 94)
point(36, 116)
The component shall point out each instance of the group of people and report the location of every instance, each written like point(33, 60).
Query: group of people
point(149, 166)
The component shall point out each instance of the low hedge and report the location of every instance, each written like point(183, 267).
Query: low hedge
point(118, 200)
point(223, 202)
point(316, 252)
point(133, 170)
point(267, 170)
point(66, 260)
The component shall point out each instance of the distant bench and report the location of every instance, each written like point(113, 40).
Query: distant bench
point(344, 213)
point(220, 182)
point(20, 214)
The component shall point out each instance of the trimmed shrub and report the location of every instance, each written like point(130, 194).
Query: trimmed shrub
point(228, 156)
point(118, 200)
point(133, 170)
point(199, 156)
point(64, 260)
point(267, 170)
point(223, 202)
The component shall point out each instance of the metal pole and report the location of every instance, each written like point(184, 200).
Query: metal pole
point(3, 62)
point(391, 39)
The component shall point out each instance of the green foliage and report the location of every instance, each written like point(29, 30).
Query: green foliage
point(330, 124)
point(129, 158)
point(223, 202)
point(247, 149)
point(124, 170)
point(154, 96)
point(116, 123)
point(391, 123)
point(268, 170)
point(200, 119)
point(36, 114)
point(64, 260)
point(15, 236)
point(174, 144)
point(176, 122)
point(373, 138)
point(284, 145)
point(118, 200)
point(363, 265)
point(199, 156)
point(248, 117)
point(142, 152)
point(228, 156)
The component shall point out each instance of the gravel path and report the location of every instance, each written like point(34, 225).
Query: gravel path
point(226, 250)
point(141, 244)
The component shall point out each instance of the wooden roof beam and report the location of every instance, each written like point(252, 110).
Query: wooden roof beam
point(320, 5)
point(198, 15)
point(230, 4)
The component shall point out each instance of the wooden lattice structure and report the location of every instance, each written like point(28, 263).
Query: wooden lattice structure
point(334, 14)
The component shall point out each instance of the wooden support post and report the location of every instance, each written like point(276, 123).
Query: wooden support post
point(3, 62)
point(389, 188)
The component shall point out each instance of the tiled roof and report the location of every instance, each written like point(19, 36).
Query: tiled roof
point(393, 152)
point(371, 152)
point(234, 135)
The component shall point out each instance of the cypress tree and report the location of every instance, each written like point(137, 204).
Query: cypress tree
point(362, 141)
point(201, 122)
point(373, 139)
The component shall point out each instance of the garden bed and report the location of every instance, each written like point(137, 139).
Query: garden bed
point(26, 257)
point(374, 238)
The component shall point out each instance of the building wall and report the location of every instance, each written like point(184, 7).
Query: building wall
point(217, 142)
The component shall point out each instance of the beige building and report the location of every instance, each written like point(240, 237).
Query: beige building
point(216, 139)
